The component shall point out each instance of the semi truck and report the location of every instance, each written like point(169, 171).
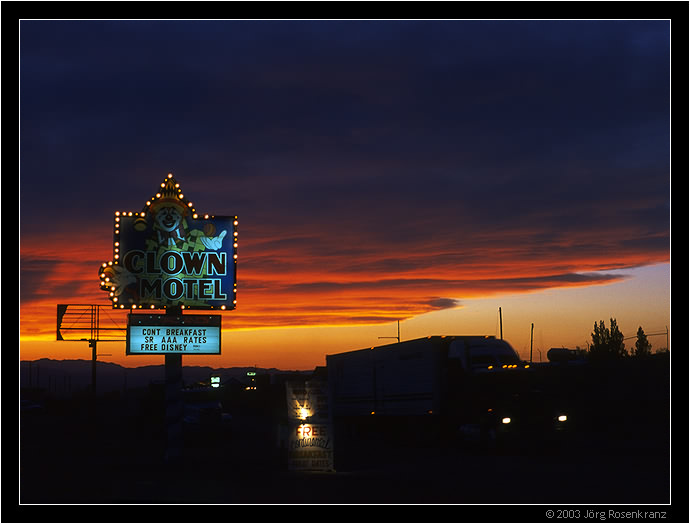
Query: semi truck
point(472, 389)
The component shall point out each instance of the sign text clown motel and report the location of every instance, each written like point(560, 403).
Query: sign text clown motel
point(169, 255)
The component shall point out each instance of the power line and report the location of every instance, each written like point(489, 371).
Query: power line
point(647, 334)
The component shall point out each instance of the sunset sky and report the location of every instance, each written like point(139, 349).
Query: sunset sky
point(422, 171)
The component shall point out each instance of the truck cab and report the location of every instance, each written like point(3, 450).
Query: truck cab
point(483, 354)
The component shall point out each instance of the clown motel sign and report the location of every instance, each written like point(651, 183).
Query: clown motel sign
point(167, 255)
point(164, 334)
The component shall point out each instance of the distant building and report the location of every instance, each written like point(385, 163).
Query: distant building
point(255, 380)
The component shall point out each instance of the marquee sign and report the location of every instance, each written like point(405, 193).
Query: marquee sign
point(310, 436)
point(169, 255)
point(166, 334)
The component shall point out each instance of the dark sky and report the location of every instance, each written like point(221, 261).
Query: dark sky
point(434, 159)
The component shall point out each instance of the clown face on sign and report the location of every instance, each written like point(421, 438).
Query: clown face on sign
point(169, 223)
point(168, 255)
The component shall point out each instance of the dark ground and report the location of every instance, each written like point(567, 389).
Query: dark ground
point(61, 465)
point(112, 452)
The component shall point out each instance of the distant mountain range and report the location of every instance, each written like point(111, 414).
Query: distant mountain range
point(65, 377)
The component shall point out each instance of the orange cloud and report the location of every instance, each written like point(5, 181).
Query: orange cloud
point(311, 279)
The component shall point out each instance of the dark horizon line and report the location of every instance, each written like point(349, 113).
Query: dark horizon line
point(88, 361)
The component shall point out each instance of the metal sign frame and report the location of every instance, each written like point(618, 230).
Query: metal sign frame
point(82, 322)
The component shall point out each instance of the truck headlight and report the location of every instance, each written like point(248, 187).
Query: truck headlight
point(562, 418)
point(506, 420)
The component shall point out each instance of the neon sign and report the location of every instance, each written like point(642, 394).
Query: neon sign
point(169, 255)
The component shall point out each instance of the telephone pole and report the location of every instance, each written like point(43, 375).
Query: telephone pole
point(531, 338)
point(398, 337)
point(82, 322)
point(94, 356)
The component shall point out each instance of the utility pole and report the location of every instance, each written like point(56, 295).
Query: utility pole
point(531, 339)
point(95, 314)
point(398, 337)
point(500, 316)
point(667, 346)
point(83, 321)
point(94, 355)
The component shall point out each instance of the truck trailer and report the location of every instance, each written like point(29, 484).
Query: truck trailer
point(462, 388)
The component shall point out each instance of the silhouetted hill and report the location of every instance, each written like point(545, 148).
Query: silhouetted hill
point(64, 377)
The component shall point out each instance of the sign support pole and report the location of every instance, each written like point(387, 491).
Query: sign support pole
point(173, 400)
point(94, 356)
point(149, 270)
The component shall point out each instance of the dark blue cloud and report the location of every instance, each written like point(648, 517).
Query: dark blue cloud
point(561, 125)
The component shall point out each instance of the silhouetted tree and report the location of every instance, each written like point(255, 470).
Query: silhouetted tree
point(600, 340)
point(607, 343)
point(617, 345)
point(642, 346)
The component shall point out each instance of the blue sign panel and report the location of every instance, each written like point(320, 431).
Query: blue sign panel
point(181, 335)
